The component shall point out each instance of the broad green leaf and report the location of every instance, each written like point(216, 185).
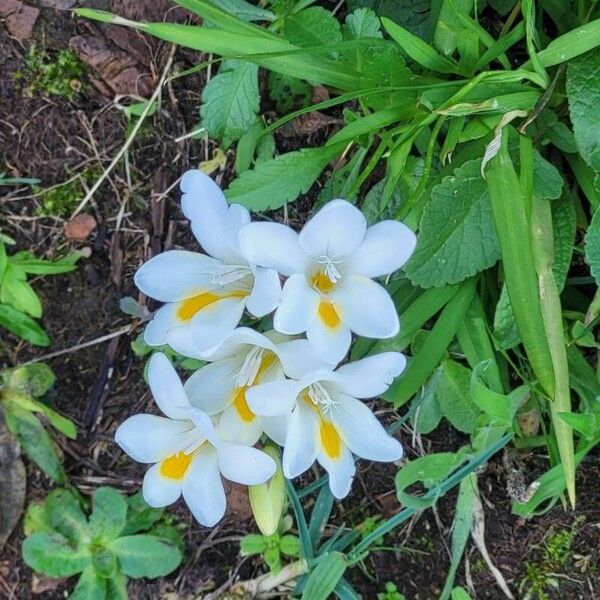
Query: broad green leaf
point(457, 237)
point(506, 332)
point(105, 562)
point(583, 90)
point(116, 587)
point(428, 414)
point(64, 514)
point(547, 181)
point(20, 294)
point(62, 424)
point(51, 554)
point(35, 441)
point(34, 379)
point(89, 587)
point(363, 125)
point(313, 26)
point(290, 544)
point(459, 593)
point(450, 29)
point(230, 101)
point(361, 23)
point(109, 511)
point(564, 226)
point(592, 246)
point(288, 93)
point(140, 516)
point(22, 325)
point(145, 556)
point(454, 399)
point(253, 543)
point(574, 43)
point(244, 10)
point(430, 470)
point(273, 183)
point(586, 424)
point(325, 577)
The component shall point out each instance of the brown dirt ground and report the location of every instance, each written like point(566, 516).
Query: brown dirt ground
point(49, 138)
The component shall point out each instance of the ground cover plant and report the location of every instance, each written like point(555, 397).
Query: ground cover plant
point(420, 263)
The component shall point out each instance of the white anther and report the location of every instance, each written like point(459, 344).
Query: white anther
point(330, 267)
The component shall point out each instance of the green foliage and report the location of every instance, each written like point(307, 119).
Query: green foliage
point(61, 76)
point(22, 399)
point(106, 547)
point(62, 200)
point(390, 593)
point(288, 93)
point(312, 27)
point(592, 246)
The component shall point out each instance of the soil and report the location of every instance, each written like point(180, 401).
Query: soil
point(53, 139)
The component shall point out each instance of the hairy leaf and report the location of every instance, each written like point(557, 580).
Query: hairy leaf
point(51, 554)
point(145, 555)
point(592, 246)
point(314, 26)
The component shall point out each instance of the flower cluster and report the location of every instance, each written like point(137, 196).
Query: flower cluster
point(275, 383)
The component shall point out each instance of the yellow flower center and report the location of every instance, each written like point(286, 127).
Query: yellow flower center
point(175, 466)
point(190, 306)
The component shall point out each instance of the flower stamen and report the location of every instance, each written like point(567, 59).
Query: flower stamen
point(320, 397)
point(224, 274)
point(331, 270)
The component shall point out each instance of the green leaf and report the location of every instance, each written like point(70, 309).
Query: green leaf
point(547, 180)
point(116, 587)
point(62, 424)
point(105, 562)
point(253, 543)
point(19, 293)
point(288, 93)
point(314, 26)
point(273, 183)
point(230, 101)
point(273, 559)
point(109, 512)
point(145, 556)
point(244, 10)
point(35, 441)
point(457, 237)
point(290, 544)
point(38, 266)
point(428, 415)
point(34, 379)
point(320, 515)
point(586, 424)
point(323, 580)
point(564, 225)
point(89, 587)
point(592, 246)
point(454, 399)
point(64, 514)
point(361, 23)
point(140, 516)
point(22, 325)
point(51, 554)
point(506, 331)
point(583, 91)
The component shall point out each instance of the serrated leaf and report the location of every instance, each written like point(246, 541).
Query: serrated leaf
point(583, 90)
point(230, 101)
point(51, 554)
point(361, 23)
point(453, 397)
point(457, 237)
point(22, 325)
point(145, 555)
point(109, 511)
point(274, 182)
point(592, 246)
point(314, 26)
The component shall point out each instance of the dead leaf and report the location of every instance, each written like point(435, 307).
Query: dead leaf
point(41, 584)
point(529, 422)
point(19, 18)
point(80, 227)
point(307, 124)
point(12, 483)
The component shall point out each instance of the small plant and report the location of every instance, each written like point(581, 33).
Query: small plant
point(121, 538)
point(390, 593)
point(22, 391)
point(61, 200)
point(272, 547)
point(19, 304)
point(59, 77)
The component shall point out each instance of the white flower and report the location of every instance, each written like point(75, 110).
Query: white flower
point(329, 292)
point(205, 295)
point(245, 359)
point(328, 423)
point(188, 454)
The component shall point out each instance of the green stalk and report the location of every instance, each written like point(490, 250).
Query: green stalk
point(514, 236)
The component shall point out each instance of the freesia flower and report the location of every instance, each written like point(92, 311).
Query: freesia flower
point(205, 294)
point(188, 454)
point(328, 422)
point(245, 359)
point(329, 292)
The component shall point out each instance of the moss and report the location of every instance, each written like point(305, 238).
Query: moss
point(62, 200)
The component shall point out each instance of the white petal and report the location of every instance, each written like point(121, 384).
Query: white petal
point(159, 491)
point(175, 275)
point(274, 246)
point(363, 433)
point(331, 343)
point(204, 425)
point(181, 339)
point(301, 447)
point(273, 398)
point(275, 428)
point(211, 387)
point(386, 247)
point(299, 357)
point(366, 307)
point(340, 470)
point(337, 230)
point(298, 306)
point(163, 321)
point(149, 439)
point(212, 325)
point(248, 466)
point(235, 428)
point(370, 376)
point(266, 292)
point(203, 488)
point(166, 387)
